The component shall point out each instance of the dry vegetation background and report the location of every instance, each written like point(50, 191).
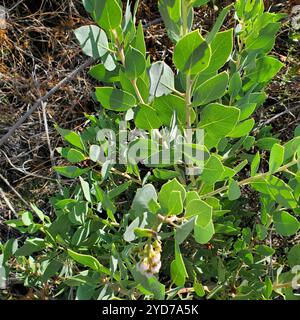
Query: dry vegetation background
point(38, 49)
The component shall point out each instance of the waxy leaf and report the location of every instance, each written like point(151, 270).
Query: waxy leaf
point(255, 164)
point(294, 256)
point(234, 191)
point(198, 207)
point(147, 118)
point(165, 194)
point(108, 14)
point(135, 63)
point(75, 156)
point(277, 189)
point(203, 234)
point(221, 48)
point(88, 261)
point(212, 171)
point(285, 224)
point(70, 171)
point(115, 99)
point(161, 79)
point(211, 89)
point(276, 157)
point(218, 121)
point(93, 41)
point(192, 53)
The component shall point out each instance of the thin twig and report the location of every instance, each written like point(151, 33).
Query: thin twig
point(8, 202)
point(25, 171)
point(49, 145)
point(66, 80)
point(279, 115)
point(14, 190)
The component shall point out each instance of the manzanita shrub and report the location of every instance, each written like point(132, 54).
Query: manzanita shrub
point(198, 228)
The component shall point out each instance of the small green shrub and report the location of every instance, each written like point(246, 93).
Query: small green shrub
point(182, 229)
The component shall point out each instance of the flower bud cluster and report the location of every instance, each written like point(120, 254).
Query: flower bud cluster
point(150, 259)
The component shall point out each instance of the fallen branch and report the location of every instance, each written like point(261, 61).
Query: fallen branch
point(66, 80)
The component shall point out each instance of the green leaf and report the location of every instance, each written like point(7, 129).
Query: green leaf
point(212, 171)
point(264, 250)
point(242, 129)
point(88, 261)
point(151, 284)
point(86, 189)
point(139, 40)
point(218, 24)
point(27, 218)
point(100, 73)
point(221, 48)
point(265, 69)
point(88, 5)
point(38, 212)
point(211, 89)
point(235, 85)
point(9, 248)
point(290, 148)
point(262, 40)
point(115, 99)
point(192, 53)
point(190, 196)
point(78, 213)
point(217, 121)
point(145, 233)
point(95, 153)
point(198, 207)
point(179, 261)
point(129, 234)
point(294, 256)
point(115, 192)
point(266, 143)
point(142, 85)
point(234, 191)
point(31, 246)
point(183, 231)
point(261, 231)
point(52, 268)
point(277, 189)
point(72, 137)
point(198, 3)
point(176, 276)
point(143, 196)
point(247, 110)
point(146, 118)
point(70, 171)
point(161, 79)
point(255, 164)
point(285, 224)
point(108, 14)
point(175, 204)
point(81, 234)
point(166, 191)
point(135, 63)
point(276, 158)
point(93, 41)
point(167, 106)
point(199, 289)
point(171, 11)
point(75, 156)
point(203, 234)
point(164, 174)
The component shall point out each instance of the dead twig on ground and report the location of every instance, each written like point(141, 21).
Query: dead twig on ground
point(66, 80)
